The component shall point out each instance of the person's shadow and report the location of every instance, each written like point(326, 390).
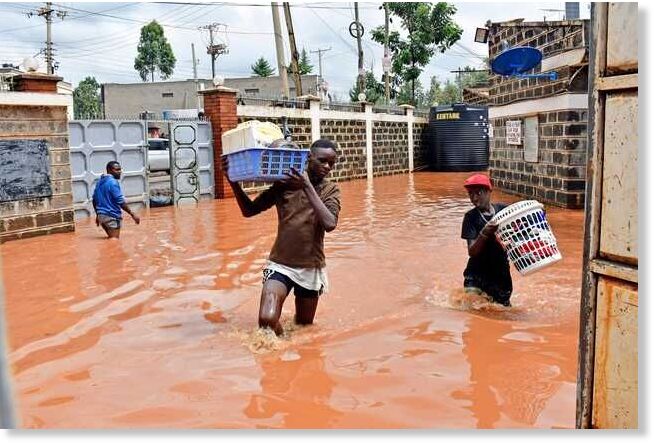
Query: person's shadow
point(295, 387)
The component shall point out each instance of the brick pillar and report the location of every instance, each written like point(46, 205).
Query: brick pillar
point(220, 109)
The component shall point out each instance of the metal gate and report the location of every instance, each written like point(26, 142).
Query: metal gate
point(93, 143)
point(205, 160)
point(184, 162)
point(607, 390)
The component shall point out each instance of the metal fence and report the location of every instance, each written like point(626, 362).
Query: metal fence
point(261, 101)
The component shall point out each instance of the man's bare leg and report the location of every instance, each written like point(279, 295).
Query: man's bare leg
point(273, 295)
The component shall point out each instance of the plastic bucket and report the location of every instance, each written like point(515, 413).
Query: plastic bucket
point(265, 164)
point(527, 236)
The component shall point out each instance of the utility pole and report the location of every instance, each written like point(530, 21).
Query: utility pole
point(294, 54)
point(279, 47)
point(459, 79)
point(195, 63)
point(362, 87)
point(319, 52)
point(214, 50)
point(195, 74)
point(46, 12)
point(387, 71)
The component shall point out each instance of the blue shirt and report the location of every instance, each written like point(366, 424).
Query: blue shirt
point(108, 197)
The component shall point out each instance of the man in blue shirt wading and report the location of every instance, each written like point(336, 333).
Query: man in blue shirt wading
point(108, 200)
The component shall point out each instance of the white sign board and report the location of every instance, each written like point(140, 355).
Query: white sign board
point(513, 132)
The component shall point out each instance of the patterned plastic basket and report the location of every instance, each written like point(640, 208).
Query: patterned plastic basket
point(527, 237)
point(264, 164)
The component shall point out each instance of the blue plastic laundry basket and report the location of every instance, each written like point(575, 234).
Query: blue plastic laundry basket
point(264, 164)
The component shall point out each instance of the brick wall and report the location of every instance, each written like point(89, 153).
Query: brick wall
point(390, 141)
point(551, 38)
point(39, 216)
point(559, 175)
point(475, 96)
point(351, 138)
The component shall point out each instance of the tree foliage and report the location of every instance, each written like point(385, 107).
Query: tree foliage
point(374, 90)
point(86, 99)
point(430, 29)
point(154, 53)
point(262, 68)
point(442, 94)
point(304, 66)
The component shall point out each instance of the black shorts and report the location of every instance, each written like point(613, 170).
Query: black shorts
point(299, 291)
point(499, 293)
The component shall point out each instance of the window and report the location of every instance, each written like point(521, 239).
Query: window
point(252, 91)
point(531, 139)
point(166, 94)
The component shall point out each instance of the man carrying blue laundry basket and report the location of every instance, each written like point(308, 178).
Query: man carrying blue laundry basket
point(308, 205)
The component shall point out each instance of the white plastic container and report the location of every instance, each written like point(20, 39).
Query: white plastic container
point(527, 236)
point(250, 134)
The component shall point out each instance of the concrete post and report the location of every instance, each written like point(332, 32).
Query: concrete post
point(314, 109)
point(408, 109)
point(220, 109)
point(368, 114)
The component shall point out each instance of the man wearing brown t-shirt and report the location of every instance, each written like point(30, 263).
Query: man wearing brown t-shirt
point(307, 206)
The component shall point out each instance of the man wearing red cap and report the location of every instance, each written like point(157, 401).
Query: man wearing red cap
point(487, 271)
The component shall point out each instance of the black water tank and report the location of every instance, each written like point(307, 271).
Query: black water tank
point(458, 136)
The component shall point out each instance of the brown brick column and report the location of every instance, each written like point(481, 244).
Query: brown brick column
point(220, 109)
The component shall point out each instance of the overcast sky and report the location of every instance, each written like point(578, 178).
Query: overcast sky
point(99, 38)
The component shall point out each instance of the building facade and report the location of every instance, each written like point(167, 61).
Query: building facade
point(538, 144)
point(132, 99)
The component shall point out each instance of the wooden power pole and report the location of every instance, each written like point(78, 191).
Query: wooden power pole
point(279, 47)
point(294, 54)
point(362, 87)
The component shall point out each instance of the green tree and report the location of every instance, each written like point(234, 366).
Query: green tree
point(154, 53)
point(412, 93)
point(304, 66)
point(262, 68)
point(472, 78)
point(374, 89)
point(442, 94)
point(86, 99)
point(430, 29)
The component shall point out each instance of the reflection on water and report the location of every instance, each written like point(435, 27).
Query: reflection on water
point(159, 329)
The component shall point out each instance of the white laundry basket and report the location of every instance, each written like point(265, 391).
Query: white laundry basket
point(527, 237)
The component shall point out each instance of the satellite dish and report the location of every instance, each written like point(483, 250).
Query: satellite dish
point(516, 60)
point(30, 64)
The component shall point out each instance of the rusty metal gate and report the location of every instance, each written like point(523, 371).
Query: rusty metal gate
point(607, 390)
point(93, 143)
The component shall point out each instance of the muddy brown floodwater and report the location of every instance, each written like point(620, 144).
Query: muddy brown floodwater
point(158, 329)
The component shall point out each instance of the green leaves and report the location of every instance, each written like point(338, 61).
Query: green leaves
point(262, 68)
point(430, 29)
point(374, 90)
point(86, 99)
point(154, 53)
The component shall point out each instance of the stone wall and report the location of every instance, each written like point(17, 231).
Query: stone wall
point(350, 135)
point(39, 216)
point(552, 38)
point(559, 176)
point(389, 148)
point(475, 96)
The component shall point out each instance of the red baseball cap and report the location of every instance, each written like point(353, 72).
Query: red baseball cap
point(480, 180)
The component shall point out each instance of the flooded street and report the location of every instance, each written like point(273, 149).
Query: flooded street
point(158, 329)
